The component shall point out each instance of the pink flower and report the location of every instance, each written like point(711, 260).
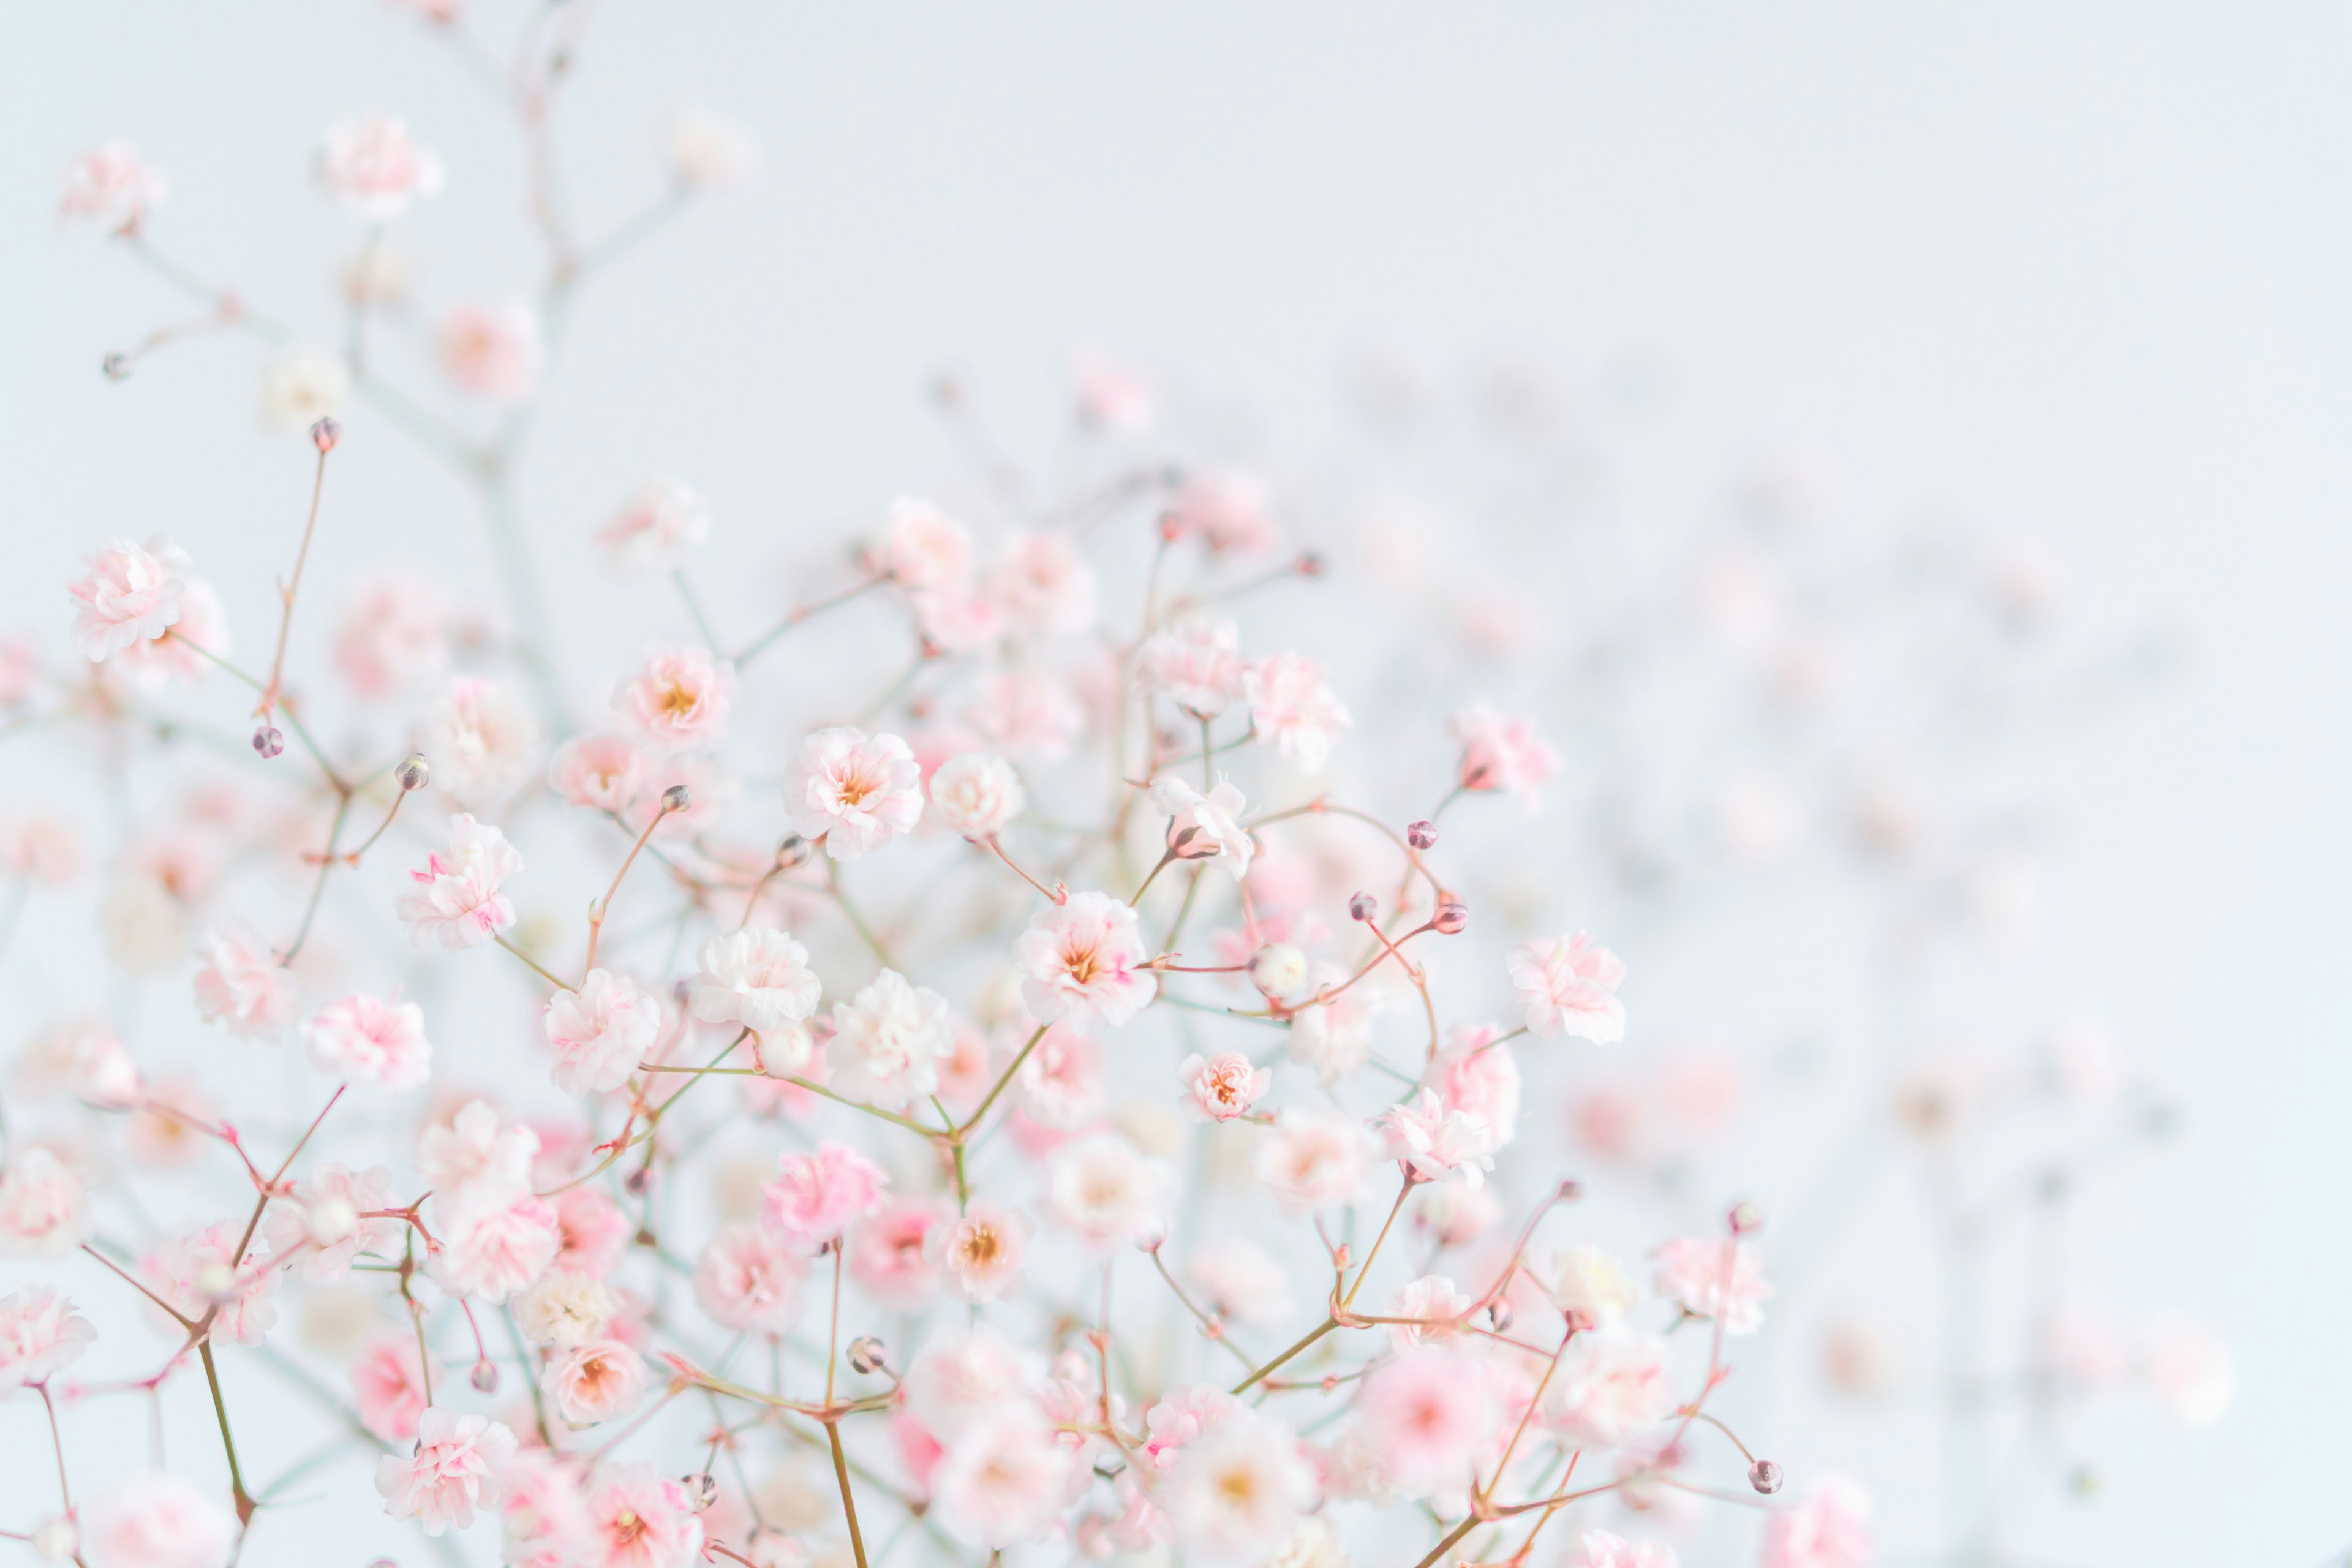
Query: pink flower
point(857, 792)
point(1313, 1159)
point(1232, 513)
point(955, 620)
point(492, 1252)
point(1041, 584)
point(320, 1230)
point(2190, 1370)
point(207, 1273)
point(593, 1382)
point(979, 1253)
point(388, 1385)
point(680, 699)
point(1438, 1311)
point(37, 845)
point(599, 1033)
point(1196, 665)
point(1083, 960)
point(704, 150)
point(1570, 986)
point(600, 771)
point(650, 534)
point(760, 979)
point(1223, 1087)
point(1475, 1074)
point(130, 595)
point(640, 1520)
point(1499, 753)
point(156, 1522)
point(109, 186)
point(1061, 1086)
point(1102, 1187)
point(43, 1211)
point(1029, 712)
point(1004, 1482)
point(365, 1039)
point(1292, 709)
point(816, 1195)
point(887, 1253)
point(1427, 1410)
point(591, 1233)
point(480, 738)
point(923, 547)
point(39, 1334)
point(82, 1058)
point(887, 1042)
point(1236, 1494)
point(179, 654)
point(394, 633)
point(475, 1162)
point(976, 795)
point(1829, 1530)
point(1112, 397)
point(544, 1512)
point(457, 900)
point(1711, 1278)
point(372, 166)
point(1599, 1549)
point(1434, 1142)
point(492, 352)
point(1609, 1388)
point(1205, 827)
point(454, 1470)
point(1240, 1279)
point(241, 984)
point(748, 1278)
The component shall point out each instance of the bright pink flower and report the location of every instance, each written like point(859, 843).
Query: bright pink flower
point(1475, 1074)
point(108, 184)
point(976, 795)
point(1083, 960)
point(1569, 986)
point(1428, 1410)
point(319, 1228)
point(157, 1522)
point(855, 790)
point(748, 1278)
point(760, 979)
point(595, 1382)
point(1714, 1279)
point(492, 352)
point(1500, 753)
point(1041, 584)
point(887, 1253)
point(591, 1233)
point(650, 534)
point(680, 699)
point(39, 1334)
point(493, 1252)
point(241, 984)
point(1223, 1087)
point(205, 1273)
point(365, 1039)
point(979, 1253)
point(1292, 709)
point(1196, 665)
point(599, 1033)
point(374, 168)
point(816, 1195)
point(454, 1470)
point(1230, 511)
point(457, 900)
point(1437, 1143)
point(1829, 1530)
point(395, 634)
point(388, 1385)
point(600, 771)
point(923, 547)
point(640, 1520)
point(129, 594)
point(1599, 1549)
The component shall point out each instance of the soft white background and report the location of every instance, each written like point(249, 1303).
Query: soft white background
point(2074, 268)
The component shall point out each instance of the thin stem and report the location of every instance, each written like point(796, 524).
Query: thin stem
point(220, 1409)
point(1148, 878)
point(1364, 1272)
point(318, 886)
point(849, 911)
point(973, 1120)
point(848, 1502)
point(285, 595)
point(1317, 1332)
point(536, 967)
point(1058, 893)
point(759, 645)
point(604, 906)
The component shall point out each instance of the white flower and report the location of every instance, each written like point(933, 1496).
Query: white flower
point(650, 534)
point(481, 739)
point(704, 150)
point(1005, 1481)
point(1197, 666)
point(1567, 985)
point(458, 900)
point(1236, 1492)
point(42, 1208)
point(600, 1032)
point(1102, 1187)
point(855, 790)
point(887, 1042)
point(976, 793)
point(760, 979)
point(302, 387)
point(375, 168)
point(1205, 827)
point(1586, 1279)
point(242, 986)
point(1313, 1159)
point(563, 1309)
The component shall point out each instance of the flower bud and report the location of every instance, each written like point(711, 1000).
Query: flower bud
point(268, 741)
point(1499, 1313)
point(639, 1181)
point(116, 367)
point(793, 853)
point(1151, 1234)
point(1746, 1219)
point(325, 434)
point(868, 1354)
point(1311, 563)
point(701, 1490)
point(1450, 917)
point(1362, 907)
point(414, 772)
point(1571, 1190)
point(1278, 969)
point(678, 797)
point(1765, 1477)
point(1421, 835)
point(486, 1376)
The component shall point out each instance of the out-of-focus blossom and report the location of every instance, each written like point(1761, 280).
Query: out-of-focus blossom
point(493, 351)
point(748, 1278)
point(887, 1042)
point(704, 150)
point(1197, 664)
point(156, 1522)
point(370, 164)
point(366, 1039)
point(241, 986)
point(393, 634)
point(1719, 1279)
point(1104, 1189)
point(760, 979)
point(1601, 1549)
point(43, 1209)
point(1230, 511)
point(600, 1032)
point(976, 795)
point(1205, 827)
point(480, 738)
point(1584, 1279)
point(599, 771)
point(208, 1272)
point(1435, 1143)
point(638, 1518)
point(1313, 1159)
point(978, 1252)
point(388, 1385)
point(324, 1223)
point(923, 547)
point(110, 184)
point(1292, 709)
point(1427, 1410)
point(1502, 755)
point(129, 594)
point(595, 1382)
point(651, 531)
point(2192, 1370)
point(1042, 585)
point(562, 1310)
point(680, 699)
point(1005, 1482)
point(302, 387)
point(817, 1196)
point(40, 1333)
point(1829, 1528)
point(1111, 396)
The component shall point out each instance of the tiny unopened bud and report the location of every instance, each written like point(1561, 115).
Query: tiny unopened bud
point(55, 1540)
point(1765, 1477)
point(268, 741)
point(1581, 1320)
point(701, 1490)
point(486, 1376)
point(1311, 563)
point(326, 433)
point(1450, 918)
point(1499, 1313)
point(384, 1562)
point(1746, 1219)
point(1151, 1234)
point(414, 772)
point(793, 853)
point(678, 797)
point(868, 1354)
point(1571, 1189)
point(1362, 907)
point(329, 1220)
point(639, 1181)
point(116, 367)
point(1172, 526)
point(1421, 835)
point(1278, 969)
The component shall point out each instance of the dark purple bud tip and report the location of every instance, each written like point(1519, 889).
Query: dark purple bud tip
point(1362, 907)
point(868, 1354)
point(325, 434)
point(678, 797)
point(1765, 1477)
point(1450, 918)
point(486, 1377)
point(268, 741)
point(1746, 1219)
point(1421, 834)
point(414, 772)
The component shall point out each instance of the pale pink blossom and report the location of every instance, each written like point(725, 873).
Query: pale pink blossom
point(206, 1272)
point(1228, 510)
point(1223, 1087)
point(1609, 1388)
point(43, 1209)
point(322, 1226)
point(1084, 960)
point(1438, 1311)
point(20, 665)
point(963, 1374)
point(600, 1032)
point(1585, 1279)
point(649, 534)
point(1239, 1279)
point(923, 547)
point(1236, 1491)
point(1569, 986)
point(1502, 754)
point(1830, 1529)
point(388, 1385)
point(641, 1519)
point(1030, 712)
point(1062, 1085)
point(543, 1512)
point(855, 790)
point(2191, 1371)
point(393, 634)
point(1313, 1159)
point(593, 1382)
point(599, 771)
point(1042, 585)
point(591, 1233)
point(1599, 1549)
point(1112, 396)
point(1437, 1142)
point(456, 899)
point(366, 1039)
point(816, 1195)
point(39, 1334)
point(491, 350)
point(39, 847)
point(84, 1059)
point(375, 168)
point(711, 788)
point(475, 1160)
point(1292, 709)
point(1476, 1073)
point(1335, 1037)
point(1205, 827)
point(681, 698)
point(887, 1253)
point(1720, 1280)
point(1196, 665)
point(760, 979)
point(956, 618)
point(241, 986)
point(979, 1253)
point(1453, 1213)
point(129, 594)
point(109, 184)
point(976, 795)
point(1005, 1481)
point(2082, 1348)
point(748, 1278)
point(1428, 1409)
point(1104, 1188)
point(156, 1522)
point(887, 1042)
point(179, 654)
point(705, 150)
point(563, 1309)
point(480, 738)
point(454, 1470)
point(492, 1252)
